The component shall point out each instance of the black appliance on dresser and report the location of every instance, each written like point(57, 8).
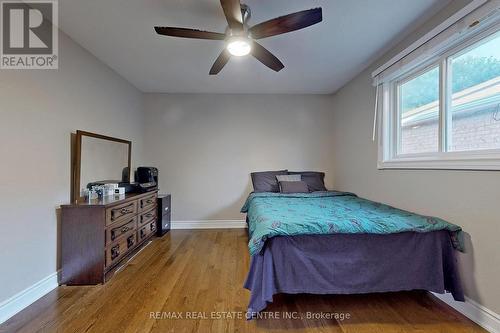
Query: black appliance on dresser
point(164, 210)
point(147, 179)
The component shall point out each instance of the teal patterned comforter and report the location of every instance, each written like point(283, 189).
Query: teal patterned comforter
point(320, 213)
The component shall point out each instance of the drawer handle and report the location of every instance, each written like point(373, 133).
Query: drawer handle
point(152, 226)
point(146, 202)
point(115, 252)
point(166, 209)
point(123, 230)
point(148, 215)
point(130, 241)
point(123, 211)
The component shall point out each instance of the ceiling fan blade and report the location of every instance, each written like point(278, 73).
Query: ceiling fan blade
point(266, 57)
point(232, 11)
point(220, 62)
point(189, 33)
point(287, 23)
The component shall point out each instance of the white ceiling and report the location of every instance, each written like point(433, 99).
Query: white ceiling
point(318, 59)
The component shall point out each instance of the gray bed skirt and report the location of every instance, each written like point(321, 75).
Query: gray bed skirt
point(353, 264)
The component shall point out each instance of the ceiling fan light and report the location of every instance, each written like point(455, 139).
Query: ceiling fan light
point(239, 47)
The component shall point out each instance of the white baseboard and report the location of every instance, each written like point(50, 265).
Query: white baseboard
point(209, 224)
point(23, 299)
point(482, 316)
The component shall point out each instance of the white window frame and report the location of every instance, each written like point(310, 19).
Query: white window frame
point(389, 129)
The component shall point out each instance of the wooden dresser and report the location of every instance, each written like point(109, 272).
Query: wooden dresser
point(99, 235)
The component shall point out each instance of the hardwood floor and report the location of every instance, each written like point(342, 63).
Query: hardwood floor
point(198, 272)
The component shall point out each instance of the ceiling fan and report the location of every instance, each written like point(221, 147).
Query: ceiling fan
point(240, 38)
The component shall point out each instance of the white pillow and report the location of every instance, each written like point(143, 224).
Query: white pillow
point(289, 178)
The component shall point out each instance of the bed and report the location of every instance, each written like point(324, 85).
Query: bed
point(337, 243)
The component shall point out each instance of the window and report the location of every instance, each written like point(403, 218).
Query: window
point(419, 113)
point(475, 97)
point(445, 113)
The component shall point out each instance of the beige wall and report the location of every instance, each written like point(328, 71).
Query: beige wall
point(206, 146)
point(38, 111)
point(466, 198)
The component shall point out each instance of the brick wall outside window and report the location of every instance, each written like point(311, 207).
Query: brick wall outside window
point(472, 131)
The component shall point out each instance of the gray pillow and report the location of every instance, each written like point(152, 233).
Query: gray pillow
point(294, 187)
point(315, 180)
point(266, 181)
point(289, 178)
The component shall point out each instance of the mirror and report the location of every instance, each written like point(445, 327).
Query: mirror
point(99, 158)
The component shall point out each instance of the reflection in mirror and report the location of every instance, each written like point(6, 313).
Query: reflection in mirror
point(103, 160)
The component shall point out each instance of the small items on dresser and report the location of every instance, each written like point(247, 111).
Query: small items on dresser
point(164, 213)
point(120, 191)
point(109, 189)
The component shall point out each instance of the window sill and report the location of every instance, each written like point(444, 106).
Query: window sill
point(485, 163)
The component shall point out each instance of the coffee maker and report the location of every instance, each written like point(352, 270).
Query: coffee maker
point(147, 179)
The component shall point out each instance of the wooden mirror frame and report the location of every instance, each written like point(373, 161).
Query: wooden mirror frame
point(77, 161)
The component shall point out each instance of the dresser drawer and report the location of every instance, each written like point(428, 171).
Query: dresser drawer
point(147, 203)
point(121, 212)
point(147, 230)
point(119, 229)
point(146, 217)
point(117, 250)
